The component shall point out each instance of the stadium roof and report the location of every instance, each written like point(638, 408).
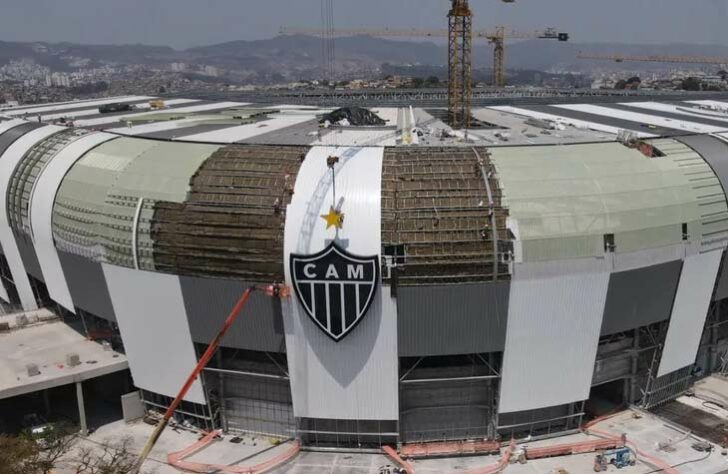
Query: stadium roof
point(227, 121)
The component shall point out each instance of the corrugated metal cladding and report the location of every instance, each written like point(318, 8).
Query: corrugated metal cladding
point(11, 130)
point(640, 297)
point(79, 211)
point(357, 377)
point(623, 262)
point(162, 173)
point(25, 175)
point(231, 224)
point(452, 319)
point(208, 302)
point(554, 320)
point(710, 230)
point(150, 312)
point(8, 137)
point(40, 211)
point(97, 202)
point(715, 151)
point(87, 285)
point(689, 311)
point(612, 189)
point(8, 161)
point(445, 410)
point(28, 255)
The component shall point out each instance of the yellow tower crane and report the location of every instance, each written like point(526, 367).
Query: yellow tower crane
point(620, 58)
point(460, 61)
point(460, 47)
point(496, 37)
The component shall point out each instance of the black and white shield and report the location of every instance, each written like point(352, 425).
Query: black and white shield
point(335, 288)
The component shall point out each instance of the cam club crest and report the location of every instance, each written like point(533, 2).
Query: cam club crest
point(335, 288)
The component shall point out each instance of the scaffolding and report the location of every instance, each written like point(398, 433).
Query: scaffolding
point(250, 393)
point(449, 398)
point(442, 219)
point(231, 224)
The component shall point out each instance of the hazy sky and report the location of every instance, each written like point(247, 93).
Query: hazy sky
point(183, 23)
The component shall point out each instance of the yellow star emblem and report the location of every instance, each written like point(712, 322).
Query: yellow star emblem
point(334, 218)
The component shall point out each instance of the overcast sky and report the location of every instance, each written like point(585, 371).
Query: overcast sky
point(184, 23)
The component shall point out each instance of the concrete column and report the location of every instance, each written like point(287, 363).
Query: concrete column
point(635, 366)
point(47, 402)
point(81, 409)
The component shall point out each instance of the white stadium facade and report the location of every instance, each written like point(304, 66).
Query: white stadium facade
point(443, 286)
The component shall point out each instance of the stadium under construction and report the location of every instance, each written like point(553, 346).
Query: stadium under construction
point(511, 280)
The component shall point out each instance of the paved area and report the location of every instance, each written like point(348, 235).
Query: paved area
point(249, 451)
point(647, 431)
point(652, 435)
point(137, 433)
point(46, 344)
point(344, 463)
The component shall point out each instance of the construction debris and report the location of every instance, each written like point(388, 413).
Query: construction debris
point(352, 116)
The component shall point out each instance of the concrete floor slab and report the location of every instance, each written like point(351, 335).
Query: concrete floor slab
point(46, 344)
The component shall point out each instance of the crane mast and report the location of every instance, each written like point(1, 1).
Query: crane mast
point(499, 56)
point(460, 51)
point(495, 37)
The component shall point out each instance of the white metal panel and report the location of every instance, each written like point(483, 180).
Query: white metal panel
point(242, 132)
point(676, 109)
point(357, 138)
point(75, 105)
point(172, 124)
point(389, 114)
point(8, 124)
point(689, 311)
point(554, 320)
point(643, 118)
point(649, 257)
point(152, 319)
point(713, 103)
point(567, 120)
point(3, 292)
point(8, 161)
point(4, 127)
point(41, 214)
point(95, 111)
point(356, 378)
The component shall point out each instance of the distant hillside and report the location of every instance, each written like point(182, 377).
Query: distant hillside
point(304, 52)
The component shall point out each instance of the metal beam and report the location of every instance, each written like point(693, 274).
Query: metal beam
point(452, 379)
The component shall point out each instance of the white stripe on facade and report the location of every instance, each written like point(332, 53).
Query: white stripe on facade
point(8, 161)
point(152, 319)
point(689, 311)
point(41, 215)
point(554, 321)
point(331, 379)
